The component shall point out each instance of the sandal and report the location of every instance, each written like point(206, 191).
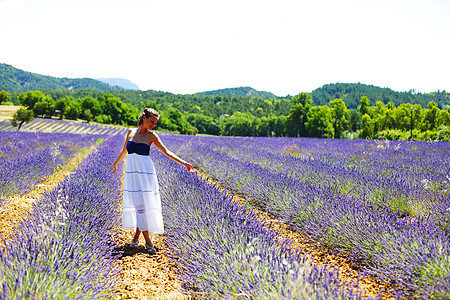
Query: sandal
point(150, 249)
point(134, 244)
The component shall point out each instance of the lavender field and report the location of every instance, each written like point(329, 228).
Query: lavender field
point(384, 205)
point(27, 158)
point(58, 253)
point(224, 252)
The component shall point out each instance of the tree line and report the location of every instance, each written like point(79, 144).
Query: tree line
point(216, 115)
point(404, 122)
point(105, 108)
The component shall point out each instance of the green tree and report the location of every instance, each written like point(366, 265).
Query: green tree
point(378, 113)
point(320, 122)
point(92, 104)
point(29, 99)
point(367, 127)
point(120, 113)
point(389, 119)
point(267, 126)
point(111, 106)
point(87, 115)
point(73, 110)
point(129, 115)
point(239, 124)
point(4, 96)
point(61, 106)
point(204, 124)
point(174, 120)
point(431, 115)
point(354, 119)
point(258, 112)
point(44, 107)
point(103, 119)
point(152, 103)
point(444, 134)
point(339, 110)
point(21, 116)
point(402, 117)
point(443, 119)
point(364, 104)
point(298, 115)
point(415, 118)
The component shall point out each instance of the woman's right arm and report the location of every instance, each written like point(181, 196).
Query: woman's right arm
point(121, 155)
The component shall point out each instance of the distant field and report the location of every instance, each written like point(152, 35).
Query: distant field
point(7, 111)
point(65, 126)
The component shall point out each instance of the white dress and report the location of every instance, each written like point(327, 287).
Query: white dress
point(141, 198)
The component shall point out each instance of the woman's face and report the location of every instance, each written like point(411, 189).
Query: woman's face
point(150, 122)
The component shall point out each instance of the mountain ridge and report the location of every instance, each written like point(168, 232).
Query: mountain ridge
point(239, 91)
point(16, 80)
point(120, 82)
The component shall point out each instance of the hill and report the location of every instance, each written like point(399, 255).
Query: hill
point(351, 93)
point(239, 91)
point(16, 80)
point(120, 82)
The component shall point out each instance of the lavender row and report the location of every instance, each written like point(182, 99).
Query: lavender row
point(64, 250)
point(225, 252)
point(26, 158)
point(410, 252)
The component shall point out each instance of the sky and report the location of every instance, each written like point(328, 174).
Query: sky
point(281, 46)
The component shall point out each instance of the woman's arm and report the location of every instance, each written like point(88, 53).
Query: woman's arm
point(122, 154)
point(170, 154)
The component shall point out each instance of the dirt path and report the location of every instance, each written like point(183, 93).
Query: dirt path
point(17, 207)
point(348, 270)
point(144, 276)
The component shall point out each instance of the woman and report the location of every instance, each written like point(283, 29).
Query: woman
point(141, 199)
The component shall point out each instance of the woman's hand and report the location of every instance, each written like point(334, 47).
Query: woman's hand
point(114, 168)
point(189, 167)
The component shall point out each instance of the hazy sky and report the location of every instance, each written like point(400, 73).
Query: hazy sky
point(189, 46)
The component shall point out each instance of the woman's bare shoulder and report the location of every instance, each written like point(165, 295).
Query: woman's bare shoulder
point(131, 132)
point(153, 135)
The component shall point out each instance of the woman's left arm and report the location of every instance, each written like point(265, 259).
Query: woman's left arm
point(159, 144)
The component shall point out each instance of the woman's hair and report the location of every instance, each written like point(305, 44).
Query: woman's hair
point(148, 112)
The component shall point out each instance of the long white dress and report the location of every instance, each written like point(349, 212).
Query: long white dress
point(141, 198)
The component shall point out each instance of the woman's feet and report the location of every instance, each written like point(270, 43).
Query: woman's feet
point(150, 249)
point(135, 241)
point(134, 244)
